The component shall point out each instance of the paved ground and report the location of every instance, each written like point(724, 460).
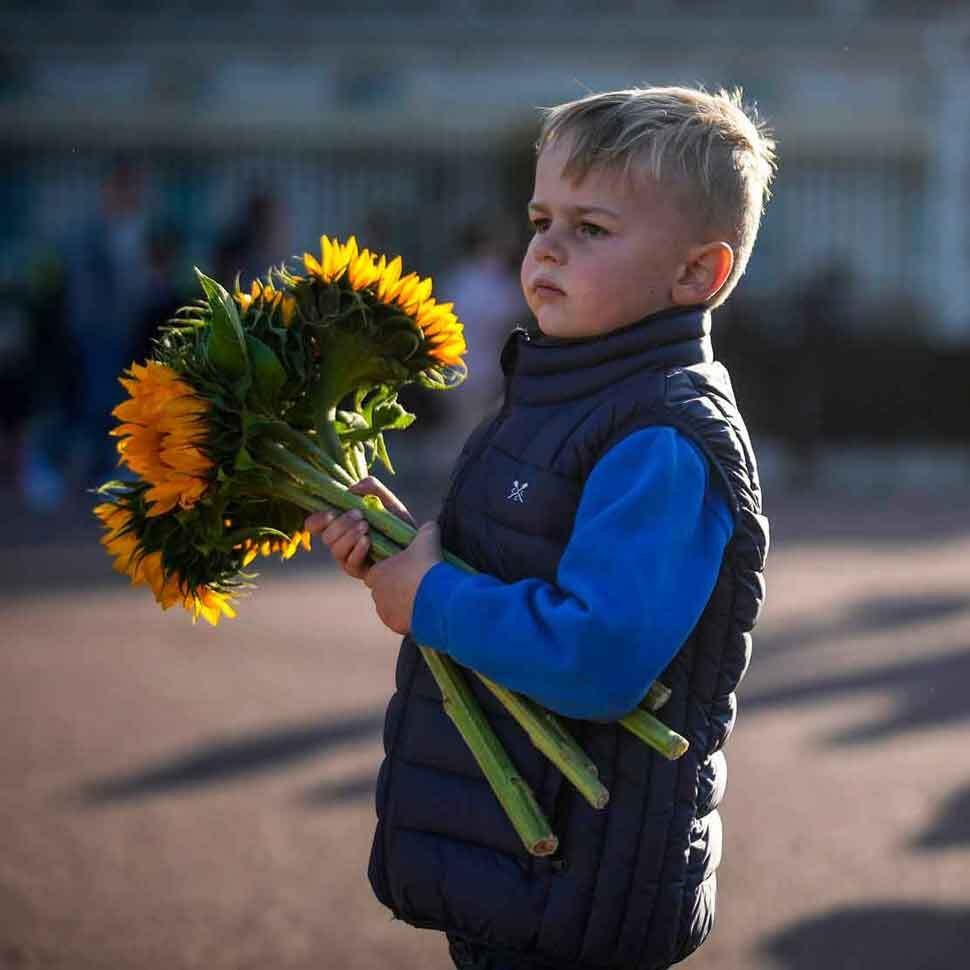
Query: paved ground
point(177, 797)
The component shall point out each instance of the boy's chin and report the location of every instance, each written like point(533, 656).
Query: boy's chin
point(553, 325)
point(571, 329)
point(563, 329)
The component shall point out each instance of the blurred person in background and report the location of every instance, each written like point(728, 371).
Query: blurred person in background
point(16, 383)
point(818, 318)
point(378, 233)
point(484, 286)
point(55, 386)
point(107, 276)
point(165, 289)
point(253, 240)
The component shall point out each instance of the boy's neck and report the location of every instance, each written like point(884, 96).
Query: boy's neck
point(537, 336)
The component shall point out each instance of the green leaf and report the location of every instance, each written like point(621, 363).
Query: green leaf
point(358, 455)
point(230, 539)
point(306, 300)
point(301, 414)
point(269, 375)
point(399, 346)
point(295, 352)
point(106, 488)
point(392, 416)
point(381, 452)
point(244, 460)
point(328, 300)
point(346, 422)
point(226, 344)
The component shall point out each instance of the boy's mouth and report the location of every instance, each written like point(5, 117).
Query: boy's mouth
point(545, 287)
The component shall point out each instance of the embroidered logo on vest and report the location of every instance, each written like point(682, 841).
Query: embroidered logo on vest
point(518, 492)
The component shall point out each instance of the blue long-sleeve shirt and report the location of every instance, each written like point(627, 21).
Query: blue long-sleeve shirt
point(639, 567)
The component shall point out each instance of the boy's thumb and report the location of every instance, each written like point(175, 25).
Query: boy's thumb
point(428, 534)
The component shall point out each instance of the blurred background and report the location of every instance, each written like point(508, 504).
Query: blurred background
point(181, 797)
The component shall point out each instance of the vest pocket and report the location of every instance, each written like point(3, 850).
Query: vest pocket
point(529, 499)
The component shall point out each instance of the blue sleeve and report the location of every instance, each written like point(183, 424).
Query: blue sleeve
point(637, 572)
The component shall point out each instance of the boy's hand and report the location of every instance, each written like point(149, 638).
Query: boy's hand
point(346, 534)
point(394, 582)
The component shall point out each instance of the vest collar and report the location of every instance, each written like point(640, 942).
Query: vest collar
point(542, 369)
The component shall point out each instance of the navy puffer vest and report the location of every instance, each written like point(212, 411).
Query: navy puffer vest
point(632, 885)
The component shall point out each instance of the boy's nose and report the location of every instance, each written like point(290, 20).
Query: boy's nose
point(546, 249)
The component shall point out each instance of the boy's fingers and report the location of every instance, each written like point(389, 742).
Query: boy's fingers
point(317, 522)
point(428, 538)
point(374, 486)
point(372, 574)
point(354, 564)
point(341, 526)
point(343, 545)
point(367, 486)
point(429, 530)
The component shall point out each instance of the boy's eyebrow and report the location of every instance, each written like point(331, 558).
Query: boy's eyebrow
point(579, 210)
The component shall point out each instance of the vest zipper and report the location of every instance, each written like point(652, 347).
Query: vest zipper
point(448, 510)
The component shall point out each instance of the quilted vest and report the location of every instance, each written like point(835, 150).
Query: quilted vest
point(632, 885)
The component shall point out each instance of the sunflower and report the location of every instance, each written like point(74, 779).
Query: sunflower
point(251, 548)
point(270, 298)
point(163, 426)
point(364, 270)
point(146, 568)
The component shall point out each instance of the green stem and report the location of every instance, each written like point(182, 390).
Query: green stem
point(350, 464)
point(358, 459)
point(328, 435)
point(321, 485)
point(566, 755)
point(544, 729)
point(655, 733)
point(327, 429)
point(308, 449)
point(657, 695)
point(551, 738)
point(641, 723)
point(336, 495)
point(290, 491)
point(511, 789)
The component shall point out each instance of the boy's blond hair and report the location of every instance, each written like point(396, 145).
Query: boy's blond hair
point(712, 145)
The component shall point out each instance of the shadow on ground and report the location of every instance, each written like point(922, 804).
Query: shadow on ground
point(878, 614)
point(341, 792)
point(892, 937)
point(950, 829)
point(927, 693)
point(819, 518)
point(231, 760)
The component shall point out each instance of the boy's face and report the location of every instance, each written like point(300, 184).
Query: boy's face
point(606, 251)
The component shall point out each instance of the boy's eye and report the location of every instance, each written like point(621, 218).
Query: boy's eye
point(541, 224)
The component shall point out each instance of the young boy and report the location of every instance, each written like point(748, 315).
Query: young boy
point(613, 509)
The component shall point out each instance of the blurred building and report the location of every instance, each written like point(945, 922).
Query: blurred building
point(417, 114)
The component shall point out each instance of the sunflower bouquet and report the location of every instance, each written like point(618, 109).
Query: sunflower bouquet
point(261, 405)
point(240, 403)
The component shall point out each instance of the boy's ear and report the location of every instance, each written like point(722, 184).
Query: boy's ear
point(703, 274)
